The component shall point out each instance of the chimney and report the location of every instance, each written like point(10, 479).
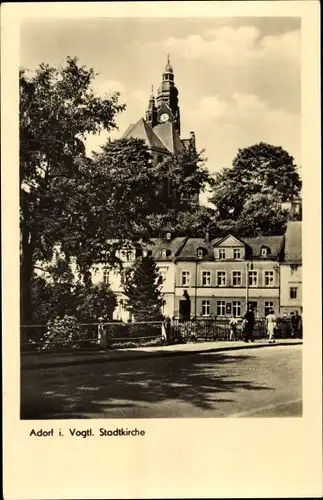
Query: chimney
point(207, 236)
point(168, 236)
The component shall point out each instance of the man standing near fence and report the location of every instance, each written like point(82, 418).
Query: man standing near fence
point(249, 320)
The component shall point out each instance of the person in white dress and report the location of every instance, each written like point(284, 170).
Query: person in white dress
point(271, 325)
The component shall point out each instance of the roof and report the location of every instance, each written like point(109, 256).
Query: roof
point(189, 250)
point(254, 245)
point(293, 242)
point(169, 137)
point(275, 244)
point(158, 244)
point(143, 130)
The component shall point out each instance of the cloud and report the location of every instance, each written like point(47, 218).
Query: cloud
point(232, 45)
point(223, 126)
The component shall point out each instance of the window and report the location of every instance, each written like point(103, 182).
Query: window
point(293, 268)
point(221, 253)
point(221, 308)
point(162, 273)
point(163, 253)
point(268, 307)
point(293, 292)
point(168, 236)
point(220, 278)
point(200, 253)
point(253, 278)
point(236, 253)
point(206, 278)
point(186, 278)
point(265, 251)
point(236, 308)
point(236, 278)
point(205, 308)
point(106, 275)
point(269, 278)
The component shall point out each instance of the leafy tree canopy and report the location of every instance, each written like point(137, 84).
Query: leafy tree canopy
point(259, 169)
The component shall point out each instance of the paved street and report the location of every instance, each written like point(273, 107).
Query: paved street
point(265, 382)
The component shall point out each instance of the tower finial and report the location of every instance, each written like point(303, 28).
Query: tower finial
point(152, 97)
point(169, 68)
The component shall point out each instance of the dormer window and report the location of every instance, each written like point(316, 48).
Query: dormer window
point(165, 253)
point(200, 253)
point(265, 251)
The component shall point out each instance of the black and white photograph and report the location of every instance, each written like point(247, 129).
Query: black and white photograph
point(161, 218)
point(161, 250)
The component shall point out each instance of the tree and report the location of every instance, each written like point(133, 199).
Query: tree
point(142, 285)
point(259, 169)
point(94, 302)
point(62, 294)
point(197, 219)
point(180, 178)
point(58, 108)
point(261, 216)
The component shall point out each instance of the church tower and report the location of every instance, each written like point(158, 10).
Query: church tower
point(151, 113)
point(167, 99)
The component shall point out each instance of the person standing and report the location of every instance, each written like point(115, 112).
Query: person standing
point(233, 323)
point(101, 332)
point(295, 324)
point(249, 318)
point(271, 326)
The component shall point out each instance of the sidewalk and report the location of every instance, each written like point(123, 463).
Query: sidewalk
point(50, 360)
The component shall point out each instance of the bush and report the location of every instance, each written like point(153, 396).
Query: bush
point(62, 333)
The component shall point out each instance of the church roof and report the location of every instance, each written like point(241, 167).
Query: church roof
point(142, 130)
point(169, 137)
point(163, 136)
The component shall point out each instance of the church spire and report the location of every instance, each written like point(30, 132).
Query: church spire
point(151, 113)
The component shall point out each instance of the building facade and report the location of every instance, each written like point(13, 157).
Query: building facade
point(291, 270)
point(220, 277)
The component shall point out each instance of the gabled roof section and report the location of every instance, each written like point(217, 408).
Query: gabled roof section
point(274, 243)
point(143, 130)
point(228, 241)
point(168, 135)
point(189, 249)
point(293, 242)
point(156, 245)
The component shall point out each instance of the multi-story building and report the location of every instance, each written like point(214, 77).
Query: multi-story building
point(164, 252)
point(291, 270)
point(220, 277)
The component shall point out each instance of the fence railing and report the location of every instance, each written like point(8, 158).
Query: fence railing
point(117, 335)
point(111, 334)
point(219, 329)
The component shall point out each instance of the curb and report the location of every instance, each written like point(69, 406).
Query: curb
point(160, 354)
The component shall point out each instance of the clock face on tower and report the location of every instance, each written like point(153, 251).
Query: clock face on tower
point(164, 117)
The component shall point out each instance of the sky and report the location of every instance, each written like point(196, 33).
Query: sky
point(238, 78)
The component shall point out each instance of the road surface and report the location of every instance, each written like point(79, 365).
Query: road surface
point(265, 382)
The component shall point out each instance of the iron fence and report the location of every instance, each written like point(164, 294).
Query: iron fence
point(203, 329)
point(119, 335)
point(112, 335)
